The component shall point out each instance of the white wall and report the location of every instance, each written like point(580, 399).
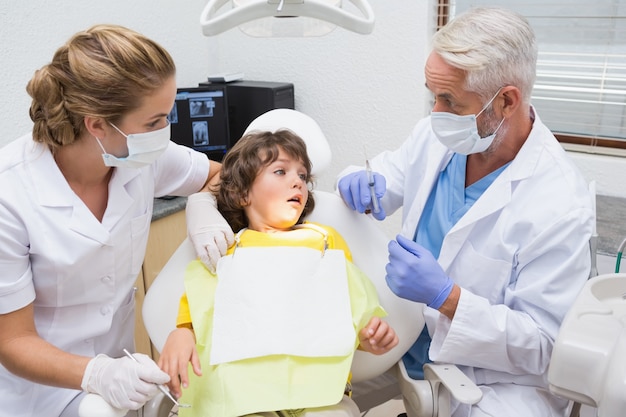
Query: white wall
point(365, 91)
point(31, 31)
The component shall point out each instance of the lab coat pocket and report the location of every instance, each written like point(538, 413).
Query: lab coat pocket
point(139, 229)
point(481, 274)
point(121, 333)
point(127, 308)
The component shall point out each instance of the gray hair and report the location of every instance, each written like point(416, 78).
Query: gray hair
point(496, 47)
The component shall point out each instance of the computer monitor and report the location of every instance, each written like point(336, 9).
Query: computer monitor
point(199, 120)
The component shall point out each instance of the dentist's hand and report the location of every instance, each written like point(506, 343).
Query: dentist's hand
point(414, 274)
point(123, 383)
point(207, 229)
point(355, 191)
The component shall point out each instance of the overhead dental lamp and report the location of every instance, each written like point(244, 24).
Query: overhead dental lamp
point(285, 18)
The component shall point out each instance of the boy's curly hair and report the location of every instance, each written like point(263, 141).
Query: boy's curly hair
point(244, 161)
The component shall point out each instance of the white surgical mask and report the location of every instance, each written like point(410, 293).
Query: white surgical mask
point(460, 133)
point(143, 148)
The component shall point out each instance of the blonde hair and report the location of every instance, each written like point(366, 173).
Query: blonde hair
point(104, 71)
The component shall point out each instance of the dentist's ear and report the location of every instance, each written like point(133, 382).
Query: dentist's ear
point(511, 99)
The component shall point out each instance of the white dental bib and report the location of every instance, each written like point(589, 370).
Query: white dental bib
point(294, 300)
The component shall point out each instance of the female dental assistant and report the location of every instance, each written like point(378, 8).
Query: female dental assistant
point(75, 211)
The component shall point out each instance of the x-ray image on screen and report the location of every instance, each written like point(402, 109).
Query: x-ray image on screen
point(199, 120)
point(173, 116)
point(200, 133)
point(201, 108)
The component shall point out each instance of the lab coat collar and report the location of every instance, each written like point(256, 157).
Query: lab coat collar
point(53, 190)
point(499, 194)
point(50, 186)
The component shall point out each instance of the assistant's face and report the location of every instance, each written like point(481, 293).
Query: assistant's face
point(149, 116)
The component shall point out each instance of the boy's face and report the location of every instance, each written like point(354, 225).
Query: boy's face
point(278, 195)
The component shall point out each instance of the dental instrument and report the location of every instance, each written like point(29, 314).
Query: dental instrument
point(370, 183)
point(161, 388)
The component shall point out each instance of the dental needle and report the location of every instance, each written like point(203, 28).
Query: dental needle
point(161, 388)
point(370, 183)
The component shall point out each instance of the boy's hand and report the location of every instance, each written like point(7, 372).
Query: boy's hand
point(377, 337)
point(179, 350)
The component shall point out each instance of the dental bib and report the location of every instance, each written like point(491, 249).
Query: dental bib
point(244, 382)
point(301, 308)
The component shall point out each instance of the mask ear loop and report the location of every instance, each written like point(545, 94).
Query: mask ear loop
point(116, 128)
point(100, 143)
point(489, 102)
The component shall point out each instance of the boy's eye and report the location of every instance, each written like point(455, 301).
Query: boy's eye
point(279, 172)
point(303, 177)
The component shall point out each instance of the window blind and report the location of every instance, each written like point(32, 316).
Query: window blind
point(580, 91)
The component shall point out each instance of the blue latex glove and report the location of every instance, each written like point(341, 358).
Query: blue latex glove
point(355, 191)
point(413, 273)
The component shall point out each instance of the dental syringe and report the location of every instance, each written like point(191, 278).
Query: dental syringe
point(371, 184)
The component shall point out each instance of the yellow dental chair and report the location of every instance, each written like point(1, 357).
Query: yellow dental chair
point(368, 244)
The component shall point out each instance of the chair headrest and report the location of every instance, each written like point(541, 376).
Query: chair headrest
point(303, 126)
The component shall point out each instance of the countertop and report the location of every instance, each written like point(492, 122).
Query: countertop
point(165, 207)
point(611, 222)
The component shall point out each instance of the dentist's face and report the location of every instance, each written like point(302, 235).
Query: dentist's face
point(447, 83)
point(278, 195)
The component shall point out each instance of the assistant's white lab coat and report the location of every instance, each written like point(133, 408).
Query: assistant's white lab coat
point(520, 256)
point(78, 271)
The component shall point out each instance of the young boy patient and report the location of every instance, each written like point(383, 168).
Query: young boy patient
point(270, 364)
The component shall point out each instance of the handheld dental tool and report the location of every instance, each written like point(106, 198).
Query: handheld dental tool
point(370, 183)
point(161, 388)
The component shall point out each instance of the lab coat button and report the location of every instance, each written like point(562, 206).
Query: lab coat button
point(106, 279)
point(105, 310)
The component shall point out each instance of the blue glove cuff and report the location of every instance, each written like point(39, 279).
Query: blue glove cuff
point(441, 298)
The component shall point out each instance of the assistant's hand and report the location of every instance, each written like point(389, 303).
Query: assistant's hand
point(355, 191)
point(377, 337)
point(123, 383)
point(207, 229)
point(414, 273)
point(179, 350)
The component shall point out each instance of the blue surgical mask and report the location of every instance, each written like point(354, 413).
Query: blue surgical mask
point(143, 148)
point(460, 133)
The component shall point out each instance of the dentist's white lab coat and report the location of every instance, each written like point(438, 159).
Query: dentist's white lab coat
point(520, 256)
point(78, 271)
